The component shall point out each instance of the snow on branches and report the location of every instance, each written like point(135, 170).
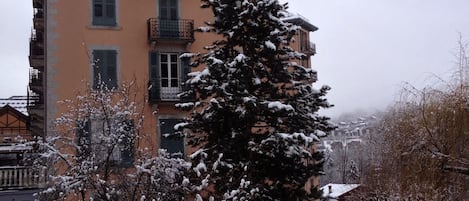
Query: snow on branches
point(94, 149)
point(254, 120)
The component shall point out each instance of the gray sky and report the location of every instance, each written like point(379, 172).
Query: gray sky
point(15, 22)
point(367, 49)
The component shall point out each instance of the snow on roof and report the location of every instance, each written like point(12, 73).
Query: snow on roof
point(299, 20)
point(15, 148)
point(337, 190)
point(17, 102)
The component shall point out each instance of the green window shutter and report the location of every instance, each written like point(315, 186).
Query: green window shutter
point(127, 153)
point(185, 65)
point(110, 8)
point(104, 13)
point(154, 77)
point(173, 9)
point(172, 143)
point(168, 14)
point(111, 70)
point(168, 9)
point(186, 69)
point(105, 68)
point(98, 67)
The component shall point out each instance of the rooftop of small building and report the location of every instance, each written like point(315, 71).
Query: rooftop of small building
point(336, 190)
point(19, 103)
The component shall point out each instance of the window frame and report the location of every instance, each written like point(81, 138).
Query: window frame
point(112, 84)
point(162, 137)
point(160, 7)
point(304, 40)
point(168, 93)
point(169, 65)
point(103, 20)
point(86, 138)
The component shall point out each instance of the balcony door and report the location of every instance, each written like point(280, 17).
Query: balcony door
point(168, 12)
point(169, 76)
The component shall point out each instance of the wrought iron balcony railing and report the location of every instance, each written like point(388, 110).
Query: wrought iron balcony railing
point(156, 93)
point(170, 30)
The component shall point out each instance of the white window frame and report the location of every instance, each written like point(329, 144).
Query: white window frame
point(170, 92)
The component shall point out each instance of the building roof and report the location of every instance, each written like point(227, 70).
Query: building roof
point(299, 20)
point(15, 148)
point(337, 190)
point(17, 102)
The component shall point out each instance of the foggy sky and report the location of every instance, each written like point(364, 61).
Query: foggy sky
point(366, 49)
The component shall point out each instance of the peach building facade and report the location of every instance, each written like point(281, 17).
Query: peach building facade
point(122, 41)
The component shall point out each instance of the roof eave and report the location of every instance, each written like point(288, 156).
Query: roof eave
point(303, 23)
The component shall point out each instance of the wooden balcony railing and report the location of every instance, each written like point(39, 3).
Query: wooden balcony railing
point(36, 51)
point(35, 77)
point(38, 20)
point(308, 48)
point(179, 30)
point(20, 177)
point(35, 81)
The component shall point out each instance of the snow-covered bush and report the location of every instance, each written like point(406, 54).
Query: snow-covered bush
point(93, 152)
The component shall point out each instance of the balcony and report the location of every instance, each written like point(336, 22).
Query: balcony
point(38, 3)
point(157, 93)
point(38, 20)
point(36, 81)
point(314, 76)
point(36, 51)
point(36, 112)
point(20, 177)
point(308, 48)
point(36, 126)
point(175, 31)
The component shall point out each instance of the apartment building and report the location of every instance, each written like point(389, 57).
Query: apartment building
point(129, 41)
point(76, 43)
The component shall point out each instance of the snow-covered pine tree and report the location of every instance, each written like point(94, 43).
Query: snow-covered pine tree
point(254, 120)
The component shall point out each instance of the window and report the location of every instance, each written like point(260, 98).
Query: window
point(167, 73)
point(168, 9)
point(304, 41)
point(169, 24)
point(91, 136)
point(104, 12)
point(168, 140)
point(105, 68)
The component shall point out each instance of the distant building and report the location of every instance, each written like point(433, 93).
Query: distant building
point(19, 103)
point(345, 150)
point(18, 180)
point(349, 132)
point(338, 192)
